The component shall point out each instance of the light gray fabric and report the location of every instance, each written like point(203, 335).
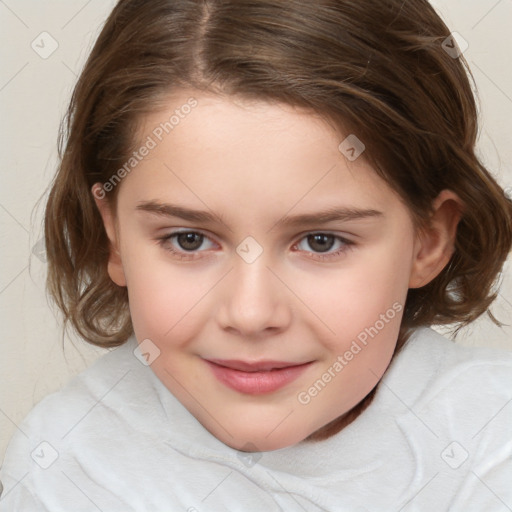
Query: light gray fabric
point(437, 436)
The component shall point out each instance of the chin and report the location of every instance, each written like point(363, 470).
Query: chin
point(261, 437)
point(264, 444)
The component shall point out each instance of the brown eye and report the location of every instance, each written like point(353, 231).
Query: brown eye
point(186, 244)
point(319, 246)
point(321, 242)
point(189, 241)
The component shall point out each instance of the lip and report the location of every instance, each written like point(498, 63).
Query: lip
point(258, 377)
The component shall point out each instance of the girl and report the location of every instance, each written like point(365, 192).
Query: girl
point(262, 207)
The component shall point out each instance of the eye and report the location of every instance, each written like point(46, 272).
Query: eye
point(186, 245)
point(188, 241)
point(323, 242)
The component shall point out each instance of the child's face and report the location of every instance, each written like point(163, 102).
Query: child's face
point(256, 288)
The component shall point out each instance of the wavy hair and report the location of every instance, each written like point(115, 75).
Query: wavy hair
point(380, 68)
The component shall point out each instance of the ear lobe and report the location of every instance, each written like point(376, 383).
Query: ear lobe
point(434, 245)
point(115, 265)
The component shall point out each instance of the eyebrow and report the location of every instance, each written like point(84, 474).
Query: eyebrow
point(321, 217)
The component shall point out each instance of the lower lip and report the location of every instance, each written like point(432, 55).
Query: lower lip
point(257, 383)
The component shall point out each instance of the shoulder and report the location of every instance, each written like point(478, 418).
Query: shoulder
point(451, 392)
point(93, 397)
point(101, 381)
point(99, 418)
point(430, 363)
point(453, 407)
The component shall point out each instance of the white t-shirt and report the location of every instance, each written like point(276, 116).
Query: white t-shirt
point(437, 436)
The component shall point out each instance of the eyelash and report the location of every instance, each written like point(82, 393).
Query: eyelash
point(182, 255)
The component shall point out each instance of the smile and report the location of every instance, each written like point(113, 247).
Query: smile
point(256, 378)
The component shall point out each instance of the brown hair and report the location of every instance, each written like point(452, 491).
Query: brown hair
point(378, 68)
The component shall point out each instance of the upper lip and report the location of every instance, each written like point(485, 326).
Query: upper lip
point(254, 366)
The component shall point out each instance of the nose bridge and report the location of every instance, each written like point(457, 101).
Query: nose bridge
point(254, 300)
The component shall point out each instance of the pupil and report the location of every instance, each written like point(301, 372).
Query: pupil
point(321, 241)
point(187, 239)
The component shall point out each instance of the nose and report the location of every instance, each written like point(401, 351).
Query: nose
point(255, 301)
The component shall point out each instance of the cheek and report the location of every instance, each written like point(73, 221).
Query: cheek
point(162, 295)
point(355, 297)
point(369, 325)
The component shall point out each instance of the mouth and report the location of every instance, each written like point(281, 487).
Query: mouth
point(256, 377)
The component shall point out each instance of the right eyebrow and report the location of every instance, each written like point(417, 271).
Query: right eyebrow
point(171, 210)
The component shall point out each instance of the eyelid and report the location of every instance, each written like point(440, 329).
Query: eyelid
point(347, 244)
point(179, 231)
point(297, 237)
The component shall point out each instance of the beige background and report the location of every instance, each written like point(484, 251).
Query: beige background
point(34, 92)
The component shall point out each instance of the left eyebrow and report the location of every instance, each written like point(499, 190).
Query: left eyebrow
point(322, 217)
point(329, 215)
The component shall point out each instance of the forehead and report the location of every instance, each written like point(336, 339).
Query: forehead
point(219, 150)
point(231, 121)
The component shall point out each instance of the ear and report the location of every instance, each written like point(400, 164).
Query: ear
point(434, 245)
point(115, 265)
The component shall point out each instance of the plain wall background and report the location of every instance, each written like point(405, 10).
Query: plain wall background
point(34, 93)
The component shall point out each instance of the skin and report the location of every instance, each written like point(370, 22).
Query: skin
point(253, 164)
